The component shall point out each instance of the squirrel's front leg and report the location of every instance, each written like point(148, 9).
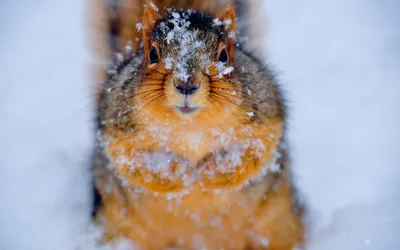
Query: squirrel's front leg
point(276, 224)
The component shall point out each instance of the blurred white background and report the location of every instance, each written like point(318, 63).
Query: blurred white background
point(337, 60)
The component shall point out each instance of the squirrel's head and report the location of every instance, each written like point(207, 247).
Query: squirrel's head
point(186, 95)
point(188, 65)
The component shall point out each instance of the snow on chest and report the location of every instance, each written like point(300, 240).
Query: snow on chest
point(196, 145)
point(165, 159)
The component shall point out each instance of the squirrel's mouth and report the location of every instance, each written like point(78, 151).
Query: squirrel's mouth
point(186, 108)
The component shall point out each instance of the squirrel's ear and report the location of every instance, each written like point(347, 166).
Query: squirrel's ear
point(150, 17)
point(229, 22)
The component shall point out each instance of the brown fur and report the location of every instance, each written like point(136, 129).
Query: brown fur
point(184, 205)
point(130, 13)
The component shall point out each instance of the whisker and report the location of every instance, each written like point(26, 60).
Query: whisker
point(147, 104)
point(148, 91)
point(146, 78)
point(225, 106)
point(224, 89)
point(231, 98)
point(138, 102)
point(85, 107)
point(256, 117)
point(147, 85)
point(100, 65)
point(135, 105)
point(237, 105)
point(90, 96)
point(242, 100)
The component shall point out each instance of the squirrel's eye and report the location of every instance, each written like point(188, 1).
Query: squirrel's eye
point(153, 56)
point(223, 56)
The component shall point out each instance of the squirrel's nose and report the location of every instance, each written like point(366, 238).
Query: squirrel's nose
point(186, 88)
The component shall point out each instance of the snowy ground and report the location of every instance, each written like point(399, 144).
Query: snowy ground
point(337, 59)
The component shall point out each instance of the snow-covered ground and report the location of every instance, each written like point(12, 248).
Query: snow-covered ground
point(338, 60)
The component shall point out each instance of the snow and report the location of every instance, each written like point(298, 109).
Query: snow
point(45, 130)
point(188, 42)
point(139, 26)
point(154, 6)
point(337, 60)
point(223, 69)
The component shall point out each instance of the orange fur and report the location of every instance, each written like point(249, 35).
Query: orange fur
point(193, 151)
point(156, 222)
point(192, 208)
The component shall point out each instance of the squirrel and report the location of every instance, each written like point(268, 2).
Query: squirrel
point(191, 148)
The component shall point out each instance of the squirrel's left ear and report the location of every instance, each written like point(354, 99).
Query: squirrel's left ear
point(229, 22)
point(150, 17)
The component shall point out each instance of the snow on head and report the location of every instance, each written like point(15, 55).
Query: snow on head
point(223, 69)
point(187, 40)
point(217, 22)
point(189, 46)
point(154, 6)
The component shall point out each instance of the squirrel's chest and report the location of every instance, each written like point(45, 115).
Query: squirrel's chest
point(190, 145)
point(163, 160)
point(195, 145)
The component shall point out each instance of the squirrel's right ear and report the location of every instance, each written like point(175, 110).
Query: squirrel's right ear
point(150, 17)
